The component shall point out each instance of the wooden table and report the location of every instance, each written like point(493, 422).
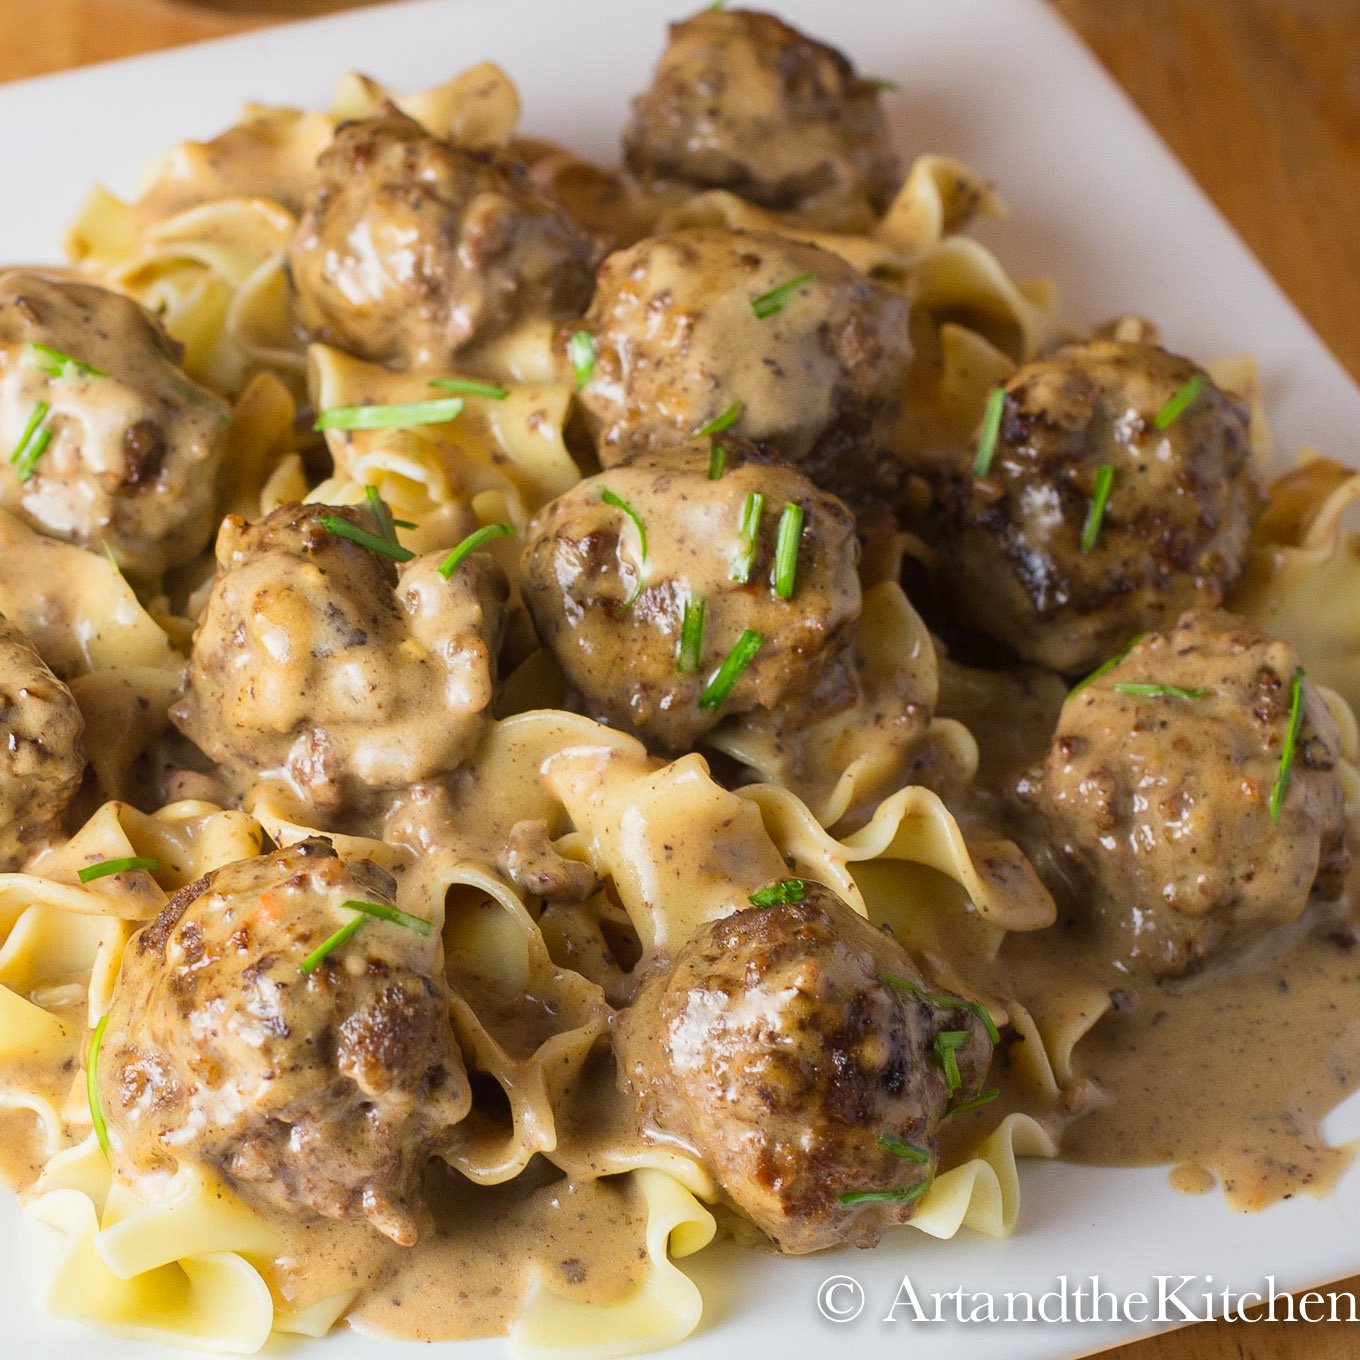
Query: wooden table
point(1259, 98)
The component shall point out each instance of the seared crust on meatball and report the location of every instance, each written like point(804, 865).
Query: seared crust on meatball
point(741, 101)
point(779, 1049)
point(411, 249)
point(322, 1092)
point(1160, 802)
point(41, 757)
point(319, 660)
point(1174, 533)
point(124, 449)
point(615, 622)
point(679, 345)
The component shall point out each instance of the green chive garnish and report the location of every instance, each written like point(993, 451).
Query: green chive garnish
point(991, 427)
point(106, 868)
point(611, 498)
point(1161, 691)
point(476, 540)
point(722, 421)
point(101, 1128)
point(904, 1196)
point(581, 352)
point(880, 83)
point(721, 682)
point(945, 1001)
point(32, 443)
point(717, 461)
point(767, 304)
point(976, 1103)
point(398, 918)
point(946, 1046)
point(314, 960)
point(748, 531)
point(381, 513)
point(899, 1147)
point(1176, 407)
point(342, 528)
point(688, 657)
point(1291, 741)
point(58, 365)
point(782, 894)
point(786, 550)
point(375, 417)
point(1090, 531)
point(1106, 667)
point(467, 388)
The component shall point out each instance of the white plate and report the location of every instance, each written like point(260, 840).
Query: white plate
point(1098, 202)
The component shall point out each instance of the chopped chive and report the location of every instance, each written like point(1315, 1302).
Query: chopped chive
point(1291, 741)
point(786, 550)
point(691, 636)
point(945, 1046)
point(467, 388)
point(976, 1103)
point(899, 1147)
point(1161, 691)
point(945, 1001)
point(398, 918)
point(991, 427)
point(581, 352)
point(880, 83)
point(342, 528)
point(1090, 531)
point(748, 532)
point(722, 421)
point(768, 304)
point(722, 681)
point(58, 365)
point(612, 498)
point(101, 1128)
point(781, 894)
point(381, 513)
point(405, 524)
point(346, 932)
point(907, 1195)
point(403, 417)
point(1180, 402)
point(476, 540)
point(1106, 667)
point(717, 461)
point(32, 443)
point(106, 868)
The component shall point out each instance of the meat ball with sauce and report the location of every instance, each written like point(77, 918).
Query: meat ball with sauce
point(313, 1092)
point(42, 760)
point(112, 445)
point(320, 660)
point(742, 101)
point(776, 1047)
point(679, 346)
point(412, 249)
point(1159, 803)
point(615, 622)
point(1024, 561)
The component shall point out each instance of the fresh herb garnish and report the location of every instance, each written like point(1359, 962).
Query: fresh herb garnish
point(1161, 691)
point(342, 528)
point(101, 1128)
point(722, 681)
point(106, 868)
point(476, 540)
point(690, 653)
point(1180, 402)
point(781, 894)
point(403, 417)
point(467, 388)
point(612, 498)
point(58, 365)
point(881, 83)
point(748, 532)
point(786, 550)
point(1291, 741)
point(945, 1047)
point(724, 420)
point(329, 945)
point(767, 304)
point(581, 353)
point(991, 427)
point(1106, 667)
point(1090, 531)
point(976, 1103)
point(351, 928)
point(899, 1147)
point(906, 1195)
point(378, 508)
point(717, 461)
point(945, 1001)
point(32, 443)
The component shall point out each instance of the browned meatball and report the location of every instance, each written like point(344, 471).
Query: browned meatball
point(411, 249)
point(321, 1091)
point(1174, 531)
point(41, 757)
point(111, 445)
point(779, 1047)
point(1160, 802)
point(318, 660)
point(614, 621)
point(741, 101)
point(679, 345)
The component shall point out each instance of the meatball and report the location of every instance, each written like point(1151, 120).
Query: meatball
point(1032, 564)
point(411, 249)
point(112, 445)
point(614, 616)
point(41, 760)
point(741, 101)
point(316, 1087)
point(1159, 800)
point(797, 1050)
point(316, 659)
point(679, 345)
